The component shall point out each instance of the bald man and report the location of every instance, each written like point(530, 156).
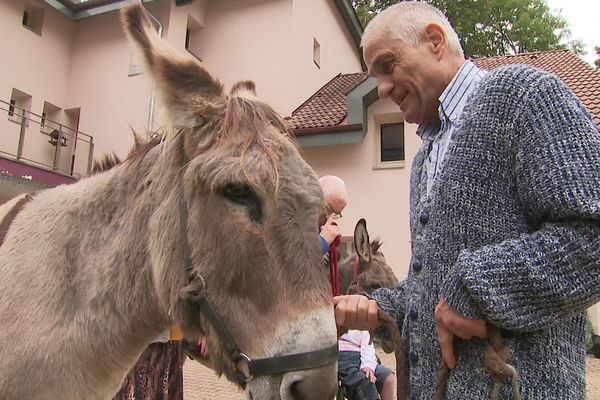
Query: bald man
point(335, 194)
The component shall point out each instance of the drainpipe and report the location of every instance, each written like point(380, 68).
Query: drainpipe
point(153, 95)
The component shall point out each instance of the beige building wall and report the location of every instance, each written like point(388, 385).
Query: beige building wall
point(248, 40)
point(381, 196)
point(37, 66)
point(104, 82)
point(321, 21)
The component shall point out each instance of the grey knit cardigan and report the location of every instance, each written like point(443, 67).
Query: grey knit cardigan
point(510, 234)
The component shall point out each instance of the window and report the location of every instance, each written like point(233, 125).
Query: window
point(50, 117)
point(390, 145)
point(11, 107)
point(192, 37)
point(188, 36)
point(33, 18)
point(316, 53)
point(20, 103)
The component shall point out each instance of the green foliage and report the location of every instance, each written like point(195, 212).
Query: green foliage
point(495, 27)
point(597, 61)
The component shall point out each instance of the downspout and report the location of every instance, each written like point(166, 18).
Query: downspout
point(153, 94)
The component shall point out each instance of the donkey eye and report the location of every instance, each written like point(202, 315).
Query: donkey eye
point(244, 195)
point(237, 193)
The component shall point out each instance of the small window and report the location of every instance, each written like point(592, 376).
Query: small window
point(192, 37)
point(19, 106)
point(316, 53)
point(11, 107)
point(49, 118)
point(188, 36)
point(33, 18)
point(390, 145)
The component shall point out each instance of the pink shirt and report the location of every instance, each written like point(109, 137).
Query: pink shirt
point(358, 341)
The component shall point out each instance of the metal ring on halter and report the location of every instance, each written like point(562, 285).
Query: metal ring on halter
point(196, 275)
point(247, 375)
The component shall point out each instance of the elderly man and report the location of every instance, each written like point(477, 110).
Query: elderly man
point(336, 196)
point(505, 214)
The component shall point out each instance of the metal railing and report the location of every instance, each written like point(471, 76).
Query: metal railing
point(35, 133)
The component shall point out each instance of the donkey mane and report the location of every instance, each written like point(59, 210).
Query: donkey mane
point(375, 245)
point(108, 161)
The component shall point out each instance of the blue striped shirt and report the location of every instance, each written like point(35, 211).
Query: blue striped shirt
point(452, 104)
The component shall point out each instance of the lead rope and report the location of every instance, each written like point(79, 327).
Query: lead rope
point(496, 364)
point(334, 274)
point(397, 344)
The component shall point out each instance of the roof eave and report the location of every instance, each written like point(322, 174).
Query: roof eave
point(358, 100)
point(328, 136)
point(90, 12)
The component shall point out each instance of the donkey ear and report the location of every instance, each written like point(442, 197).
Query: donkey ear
point(187, 89)
point(361, 241)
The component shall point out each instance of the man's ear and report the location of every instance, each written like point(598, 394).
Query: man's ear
point(436, 37)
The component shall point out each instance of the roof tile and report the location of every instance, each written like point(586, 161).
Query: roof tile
point(327, 107)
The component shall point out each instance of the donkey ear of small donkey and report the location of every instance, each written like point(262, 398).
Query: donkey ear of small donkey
point(187, 89)
point(361, 241)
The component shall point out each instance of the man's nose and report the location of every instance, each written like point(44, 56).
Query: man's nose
point(384, 87)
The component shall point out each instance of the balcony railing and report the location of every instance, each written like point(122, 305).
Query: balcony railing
point(34, 139)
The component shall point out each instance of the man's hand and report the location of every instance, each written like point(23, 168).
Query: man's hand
point(330, 230)
point(370, 374)
point(449, 323)
point(356, 312)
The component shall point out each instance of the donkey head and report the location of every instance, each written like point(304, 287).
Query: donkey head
point(373, 270)
point(242, 209)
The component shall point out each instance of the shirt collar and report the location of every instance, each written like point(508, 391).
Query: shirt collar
point(453, 99)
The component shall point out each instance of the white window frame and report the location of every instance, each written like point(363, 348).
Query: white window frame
point(385, 119)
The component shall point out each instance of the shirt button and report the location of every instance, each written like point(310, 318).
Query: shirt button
point(413, 314)
point(413, 357)
point(424, 217)
point(417, 265)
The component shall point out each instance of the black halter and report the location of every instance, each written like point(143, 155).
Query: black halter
point(256, 367)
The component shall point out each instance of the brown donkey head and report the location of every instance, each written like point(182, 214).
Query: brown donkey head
point(248, 204)
point(373, 270)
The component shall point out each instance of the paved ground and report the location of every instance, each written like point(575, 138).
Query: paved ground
point(201, 383)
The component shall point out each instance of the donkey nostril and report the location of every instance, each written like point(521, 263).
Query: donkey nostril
point(316, 384)
point(295, 389)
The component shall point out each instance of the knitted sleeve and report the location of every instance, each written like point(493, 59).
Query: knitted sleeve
point(553, 272)
point(392, 301)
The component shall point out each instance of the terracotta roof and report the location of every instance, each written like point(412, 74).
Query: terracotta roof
point(327, 108)
point(583, 80)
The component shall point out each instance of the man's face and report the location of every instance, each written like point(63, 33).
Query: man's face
point(406, 74)
point(333, 205)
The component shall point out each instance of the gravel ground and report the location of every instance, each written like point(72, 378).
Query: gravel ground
point(201, 383)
